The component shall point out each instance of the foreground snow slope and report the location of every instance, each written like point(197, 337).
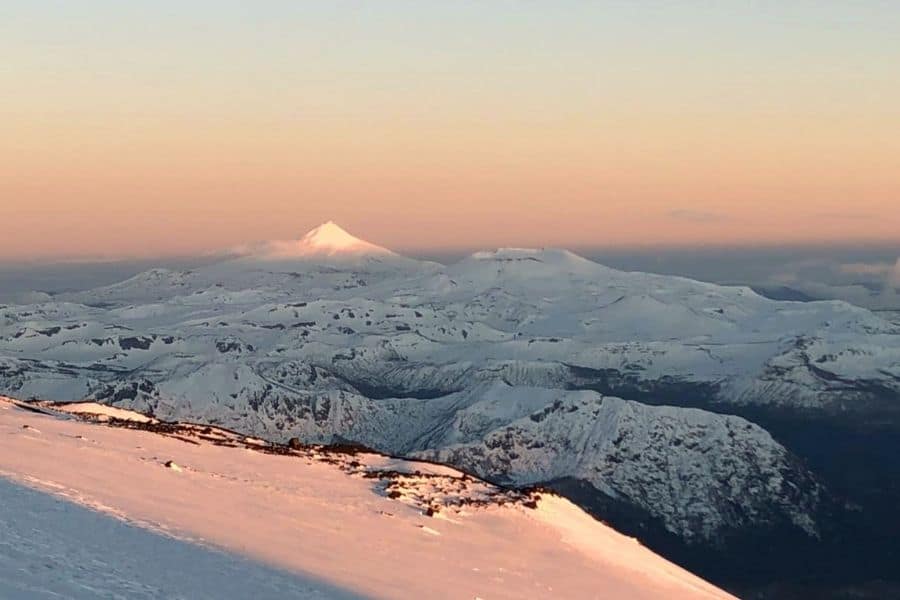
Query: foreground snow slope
point(353, 522)
point(51, 548)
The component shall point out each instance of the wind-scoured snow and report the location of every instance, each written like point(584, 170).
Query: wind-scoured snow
point(316, 522)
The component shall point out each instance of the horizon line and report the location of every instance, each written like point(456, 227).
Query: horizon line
point(451, 251)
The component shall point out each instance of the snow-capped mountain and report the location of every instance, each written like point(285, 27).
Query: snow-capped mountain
point(524, 366)
point(327, 244)
point(326, 240)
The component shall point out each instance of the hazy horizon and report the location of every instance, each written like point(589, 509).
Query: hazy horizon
point(864, 274)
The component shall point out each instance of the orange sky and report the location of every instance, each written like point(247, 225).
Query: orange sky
point(147, 131)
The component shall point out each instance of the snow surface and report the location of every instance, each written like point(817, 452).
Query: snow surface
point(317, 522)
point(53, 548)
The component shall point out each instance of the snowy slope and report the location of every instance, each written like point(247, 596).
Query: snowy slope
point(51, 548)
point(333, 523)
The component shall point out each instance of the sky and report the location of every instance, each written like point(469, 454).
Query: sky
point(174, 128)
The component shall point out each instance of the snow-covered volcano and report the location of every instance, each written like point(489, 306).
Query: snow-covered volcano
point(327, 240)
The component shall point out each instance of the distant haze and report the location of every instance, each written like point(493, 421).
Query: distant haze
point(163, 128)
point(868, 276)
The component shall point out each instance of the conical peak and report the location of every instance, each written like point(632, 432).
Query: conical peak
point(332, 239)
point(332, 236)
point(327, 241)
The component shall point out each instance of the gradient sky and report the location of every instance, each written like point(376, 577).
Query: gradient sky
point(172, 127)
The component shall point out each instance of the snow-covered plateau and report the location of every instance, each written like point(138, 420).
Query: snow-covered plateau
point(190, 511)
point(521, 366)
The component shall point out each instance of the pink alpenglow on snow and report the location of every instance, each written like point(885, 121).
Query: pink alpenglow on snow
point(313, 513)
point(326, 240)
